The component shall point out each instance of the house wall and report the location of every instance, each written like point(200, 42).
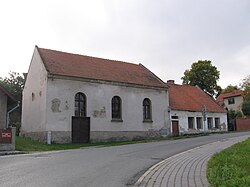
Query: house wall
point(183, 121)
point(236, 106)
point(99, 97)
point(3, 110)
point(34, 98)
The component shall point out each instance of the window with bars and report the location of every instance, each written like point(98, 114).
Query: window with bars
point(80, 105)
point(190, 122)
point(147, 110)
point(209, 123)
point(199, 122)
point(217, 122)
point(116, 105)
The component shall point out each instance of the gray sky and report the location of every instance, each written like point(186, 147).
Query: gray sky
point(166, 36)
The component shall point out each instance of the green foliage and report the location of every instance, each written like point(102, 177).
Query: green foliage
point(231, 167)
point(14, 84)
point(229, 89)
point(29, 145)
point(231, 114)
point(238, 114)
point(246, 107)
point(246, 87)
point(204, 75)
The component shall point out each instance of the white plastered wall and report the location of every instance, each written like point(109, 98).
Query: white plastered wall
point(183, 120)
point(99, 97)
point(237, 103)
point(34, 96)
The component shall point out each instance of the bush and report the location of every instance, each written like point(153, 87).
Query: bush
point(246, 107)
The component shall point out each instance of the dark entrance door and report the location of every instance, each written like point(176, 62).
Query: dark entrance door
point(175, 128)
point(80, 129)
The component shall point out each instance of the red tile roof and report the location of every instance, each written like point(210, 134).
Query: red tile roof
point(191, 98)
point(74, 65)
point(235, 93)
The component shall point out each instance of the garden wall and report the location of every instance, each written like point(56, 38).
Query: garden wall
point(243, 124)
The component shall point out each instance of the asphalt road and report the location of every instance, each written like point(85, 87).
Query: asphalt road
point(93, 167)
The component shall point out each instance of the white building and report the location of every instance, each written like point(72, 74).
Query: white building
point(231, 101)
point(193, 111)
point(78, 98)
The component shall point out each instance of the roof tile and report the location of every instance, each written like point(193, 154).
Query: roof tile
point(235, 93)
point(74, 65)
point(191, 98)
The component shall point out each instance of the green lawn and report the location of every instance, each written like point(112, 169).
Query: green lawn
point(28, 145)
point(231, 167)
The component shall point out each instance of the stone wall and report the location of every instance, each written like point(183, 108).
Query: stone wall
point(95, 136)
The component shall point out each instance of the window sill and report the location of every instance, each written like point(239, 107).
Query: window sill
point(116, 120)
point(147, 121)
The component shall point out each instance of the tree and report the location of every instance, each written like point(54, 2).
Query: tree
point(246, 107)
point(246, 88)
point(204, 75)
point(229, 89)
point(14, 84)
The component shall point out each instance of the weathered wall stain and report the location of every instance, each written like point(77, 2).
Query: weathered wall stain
point(55, 106)
point(99, 113)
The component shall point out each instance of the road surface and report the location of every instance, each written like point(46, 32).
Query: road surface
point(116, 166)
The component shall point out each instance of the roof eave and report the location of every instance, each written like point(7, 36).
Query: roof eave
point(52, 76)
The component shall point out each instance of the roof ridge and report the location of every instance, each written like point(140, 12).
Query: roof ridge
point(89, 67)
point(152, 74)
point(89, 56)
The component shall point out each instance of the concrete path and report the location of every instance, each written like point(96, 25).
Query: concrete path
point(187, 169)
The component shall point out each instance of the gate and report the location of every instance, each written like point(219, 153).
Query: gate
point(80, 129)
point(175, 128)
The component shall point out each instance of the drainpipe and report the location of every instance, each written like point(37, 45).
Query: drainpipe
point(8, 114)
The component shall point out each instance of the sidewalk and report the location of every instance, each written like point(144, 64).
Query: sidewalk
point(187, 169)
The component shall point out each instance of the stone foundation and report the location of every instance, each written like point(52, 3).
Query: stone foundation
point(106, 136)
point(56, 136)
point(95, 136)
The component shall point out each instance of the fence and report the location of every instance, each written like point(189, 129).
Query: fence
point(243, 124)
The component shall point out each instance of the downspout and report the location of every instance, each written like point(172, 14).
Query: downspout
point(8, 113)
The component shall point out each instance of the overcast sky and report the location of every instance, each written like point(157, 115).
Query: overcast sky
point(166, 36)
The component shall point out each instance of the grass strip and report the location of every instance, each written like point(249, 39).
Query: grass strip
point(231, 167)
point(29, 145)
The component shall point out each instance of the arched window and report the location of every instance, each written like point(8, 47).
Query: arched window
point(116, 107)
point(147, 116)
point(80, 105)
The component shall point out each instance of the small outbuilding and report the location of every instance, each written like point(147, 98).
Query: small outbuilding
point(7, 134)
point(6, 99)
point(194, 111)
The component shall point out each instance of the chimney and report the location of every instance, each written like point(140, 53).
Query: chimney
point(170, 81)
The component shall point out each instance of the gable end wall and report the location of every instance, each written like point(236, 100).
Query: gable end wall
point(34, 97)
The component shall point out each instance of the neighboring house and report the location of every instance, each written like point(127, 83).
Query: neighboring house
point(232, 100)
point(186, 105)
point(6, 99)
point(75, 98)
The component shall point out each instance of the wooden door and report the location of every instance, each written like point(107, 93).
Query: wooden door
point(80, 129)
point(175, 128)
